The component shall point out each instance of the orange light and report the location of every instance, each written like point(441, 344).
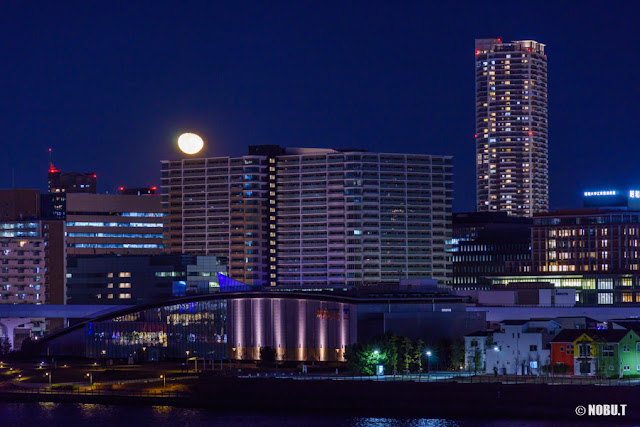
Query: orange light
point(121, 188)
point(154, 188)
point(475, 136)
point(530, 132)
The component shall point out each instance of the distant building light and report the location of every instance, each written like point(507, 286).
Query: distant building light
point(634, 194)
point(600, 193)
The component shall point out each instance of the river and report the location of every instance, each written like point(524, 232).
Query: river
point(78, 414)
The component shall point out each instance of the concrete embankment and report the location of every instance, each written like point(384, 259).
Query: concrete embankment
point(406, 399)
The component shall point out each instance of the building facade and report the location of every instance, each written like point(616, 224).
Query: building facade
point(108, 223)
point(511, 127)
point(20, 218)
point(299, 326)
point(71, 182)
point(586, 241)
point(487, 243)
point(19, 204)
point(313, 217)
point(611, 353)
point(136, 279)
point(22, 268)
point(521, 347)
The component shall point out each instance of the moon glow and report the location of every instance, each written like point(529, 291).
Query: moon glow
point(190, 143)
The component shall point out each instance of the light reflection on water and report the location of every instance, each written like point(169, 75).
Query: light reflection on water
point(92, 415)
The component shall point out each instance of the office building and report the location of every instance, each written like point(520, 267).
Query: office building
point(71, 182)
point(313, 218)
point(488, 243)
point(19, 204)
point(108, 223)
point(139, 279)
point(586, 240)
point(511, 127)
point(624, 200)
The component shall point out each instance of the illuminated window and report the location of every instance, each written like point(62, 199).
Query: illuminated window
point(124, 274)
point(124, 296)
point(124, 285)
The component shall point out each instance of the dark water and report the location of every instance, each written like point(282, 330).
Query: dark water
point(76, 414)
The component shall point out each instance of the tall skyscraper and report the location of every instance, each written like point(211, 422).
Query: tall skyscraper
point(312, 218)
point(511, 127)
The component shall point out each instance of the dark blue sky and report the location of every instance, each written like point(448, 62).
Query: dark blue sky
point(109, 85)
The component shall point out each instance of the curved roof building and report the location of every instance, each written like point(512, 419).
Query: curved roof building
point(235, 325)
point(219, 326)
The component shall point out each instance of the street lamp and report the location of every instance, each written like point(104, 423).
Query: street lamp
point(428, 362)
point(496, 348)
point(164, 381)
point(48, 374)
point(90, 375)
point(187, 352)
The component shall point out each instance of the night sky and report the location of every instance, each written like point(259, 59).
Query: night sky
point(110, 85)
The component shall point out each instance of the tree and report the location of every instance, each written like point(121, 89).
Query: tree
point(392, 347)
point(364, 358)
point(477, 360)
point(5, 346)
point(418, 355)
point(457, 354)
point(407, 354)
point(267, 355)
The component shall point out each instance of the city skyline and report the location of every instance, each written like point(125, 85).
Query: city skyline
point(102, 100)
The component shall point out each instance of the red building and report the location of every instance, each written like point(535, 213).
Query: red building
point(562, 350)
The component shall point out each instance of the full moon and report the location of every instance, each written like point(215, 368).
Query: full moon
point(190, 143)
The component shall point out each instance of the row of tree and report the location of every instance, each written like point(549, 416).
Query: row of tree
point(400, 354)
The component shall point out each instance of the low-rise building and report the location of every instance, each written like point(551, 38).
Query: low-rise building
point(611, 353)
point(476, 345)
point(521, 347)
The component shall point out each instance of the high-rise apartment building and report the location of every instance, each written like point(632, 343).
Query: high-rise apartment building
point(311, 218)
point(511, 127)
point(20, 222)
point(22, 268)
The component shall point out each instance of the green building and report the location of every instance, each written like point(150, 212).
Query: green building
point(618, 353)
